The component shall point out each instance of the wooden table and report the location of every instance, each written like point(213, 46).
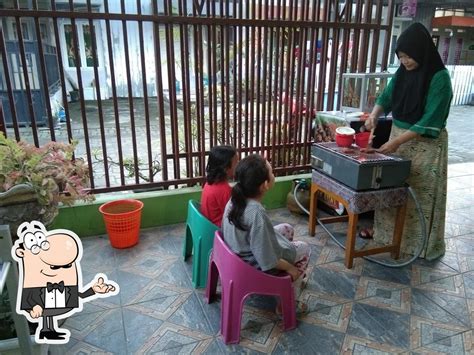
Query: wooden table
point(357, 202)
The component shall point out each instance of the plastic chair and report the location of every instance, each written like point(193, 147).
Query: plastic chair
point(199, 236)
point(240, 280)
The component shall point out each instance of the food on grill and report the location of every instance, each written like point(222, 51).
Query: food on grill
point(368, 150)
point(348, 150)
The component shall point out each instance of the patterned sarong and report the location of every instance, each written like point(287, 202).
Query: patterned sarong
point(428, 179)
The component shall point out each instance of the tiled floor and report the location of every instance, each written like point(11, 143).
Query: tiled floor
point(426, 307)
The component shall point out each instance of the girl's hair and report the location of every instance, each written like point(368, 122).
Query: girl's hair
point(250, 173)
point(220, 159)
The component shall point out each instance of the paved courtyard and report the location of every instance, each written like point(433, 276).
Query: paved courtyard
point(423, 308)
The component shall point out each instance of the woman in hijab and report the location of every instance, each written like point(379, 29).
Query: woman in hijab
point(419, 97)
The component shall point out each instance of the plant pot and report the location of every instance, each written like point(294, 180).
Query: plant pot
point(20, 204)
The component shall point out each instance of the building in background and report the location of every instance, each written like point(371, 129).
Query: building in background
point(451, 23)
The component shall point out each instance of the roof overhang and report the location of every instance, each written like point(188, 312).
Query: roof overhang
point(453, 21)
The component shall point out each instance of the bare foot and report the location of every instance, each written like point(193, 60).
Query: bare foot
point(301, 307)
point(366, 233)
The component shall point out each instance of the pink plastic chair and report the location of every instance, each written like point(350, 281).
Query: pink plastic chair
point(240, 280)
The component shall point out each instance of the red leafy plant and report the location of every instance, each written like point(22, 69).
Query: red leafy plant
point(51, 170)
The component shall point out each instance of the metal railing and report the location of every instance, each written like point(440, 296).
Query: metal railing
point(159, 83)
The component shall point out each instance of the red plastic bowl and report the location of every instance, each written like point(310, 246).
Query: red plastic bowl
point(362, 139)
point(344, 140)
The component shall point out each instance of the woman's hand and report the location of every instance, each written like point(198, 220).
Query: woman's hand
point(390, 147)
point(371, 121)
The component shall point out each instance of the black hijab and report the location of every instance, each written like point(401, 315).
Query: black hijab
point(411, 87)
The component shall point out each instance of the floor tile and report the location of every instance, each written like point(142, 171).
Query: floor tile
point(423, 306)
point(109, 334)
point(190, 314)
point(380, 325)
point(455, 306)
point(452, 285)
point(465, 245)
point(163, 307)
point(388, 295)
point(214, 347)
point(339, 284)
point(465, 262)
point(162, 243)
point(396, 275)
point(97, 254)
point(453, 229)
point(260, 332)
point(452, 260)
point(359, 346)
point(139, 327)
point(468, 278)
point(176, 274)
point(131, 285)
point(235, 348)
point(82, 324)
point(212, 312)
point(149, 264)
point(428, 336)
point(310, 339)
point(326, 310)
point(175, 339)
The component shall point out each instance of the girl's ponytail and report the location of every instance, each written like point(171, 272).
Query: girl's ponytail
point(250, 173)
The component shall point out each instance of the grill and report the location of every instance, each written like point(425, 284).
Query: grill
point(359, 170)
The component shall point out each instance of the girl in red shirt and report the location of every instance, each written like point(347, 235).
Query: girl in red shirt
point(216, 192)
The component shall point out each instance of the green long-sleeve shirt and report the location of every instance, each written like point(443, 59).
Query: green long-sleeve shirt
point(436, 110)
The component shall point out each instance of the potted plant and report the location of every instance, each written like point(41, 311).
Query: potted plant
point(34, 181)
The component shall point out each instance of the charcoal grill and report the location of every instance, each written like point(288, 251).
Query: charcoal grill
point(358, 170)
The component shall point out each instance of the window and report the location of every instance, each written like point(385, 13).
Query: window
point(392, 49)
point(25, 33)
point(88, 45)
point(17, 71)
point(70, 46)
point(44, 33)
point(85, 48)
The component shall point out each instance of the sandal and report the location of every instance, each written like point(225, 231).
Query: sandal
point(301, 308)
point(366, 233)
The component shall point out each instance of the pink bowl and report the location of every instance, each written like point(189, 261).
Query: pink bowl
point(362, 139)
point(344, 140)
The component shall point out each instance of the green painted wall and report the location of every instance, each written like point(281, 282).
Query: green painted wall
point(160, 207)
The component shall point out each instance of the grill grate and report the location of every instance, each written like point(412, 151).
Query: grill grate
point(355, 154)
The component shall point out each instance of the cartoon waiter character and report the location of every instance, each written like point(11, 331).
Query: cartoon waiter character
point(50, 284)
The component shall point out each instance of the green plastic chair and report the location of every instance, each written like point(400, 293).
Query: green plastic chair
point(200, 237)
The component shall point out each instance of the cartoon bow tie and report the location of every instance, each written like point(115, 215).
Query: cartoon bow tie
point(55, 286)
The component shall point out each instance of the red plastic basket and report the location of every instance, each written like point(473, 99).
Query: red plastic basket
point(122, 221)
